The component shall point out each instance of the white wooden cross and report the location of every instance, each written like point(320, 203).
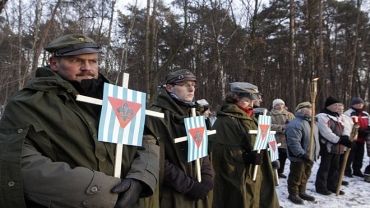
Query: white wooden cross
point(197, 161)
point(119, 147)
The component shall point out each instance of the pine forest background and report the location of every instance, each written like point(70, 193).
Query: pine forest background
point(279, 45)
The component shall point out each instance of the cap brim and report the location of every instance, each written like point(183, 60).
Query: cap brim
point(81, 51)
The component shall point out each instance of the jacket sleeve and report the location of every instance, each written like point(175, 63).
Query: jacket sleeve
point(294, 137)
point(56, 184)
point(324, 129)
point(145, 166)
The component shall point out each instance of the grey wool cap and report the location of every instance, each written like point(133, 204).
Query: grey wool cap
point(178, 76)
point(72, 44)
point(243, 87)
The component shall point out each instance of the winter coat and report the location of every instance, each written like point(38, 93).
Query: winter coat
point(234, 185)
point(364, 123)
point(331, 127)
point(177, 176)
point(49, 151)
point(298, 133)
point(279, 120)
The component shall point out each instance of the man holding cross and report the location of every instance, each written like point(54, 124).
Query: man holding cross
point(233, 156)
point(178, 185)
point(49, 152)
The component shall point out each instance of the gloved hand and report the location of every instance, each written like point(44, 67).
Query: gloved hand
point(200, 190)
point(345, 141)
point(275, 164)
point(252, 157)
point(306, 159)
point(129, 191)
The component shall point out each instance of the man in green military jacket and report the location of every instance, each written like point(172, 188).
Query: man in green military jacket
point(49, 152)
point(178, 187)
point(233, 156)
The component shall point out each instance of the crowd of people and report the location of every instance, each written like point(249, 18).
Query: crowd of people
point(50, 155)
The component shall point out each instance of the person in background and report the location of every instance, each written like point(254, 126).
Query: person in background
point(50, 153)
point(354, 163)
point(233, 156)
point(178, 184)
point(333, 138)
point(280, 117)
point(298, 133)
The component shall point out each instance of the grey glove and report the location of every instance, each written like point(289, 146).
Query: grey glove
point(128, 192)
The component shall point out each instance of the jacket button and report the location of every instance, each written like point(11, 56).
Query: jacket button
point(94, 189)
point(84, 203)
point(11, 183)
point(20, 131)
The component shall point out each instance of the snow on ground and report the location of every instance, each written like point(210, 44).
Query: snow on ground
point(357, 193)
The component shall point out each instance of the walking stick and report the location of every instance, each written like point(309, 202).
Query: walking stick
point(313, 103)
point(353, 137)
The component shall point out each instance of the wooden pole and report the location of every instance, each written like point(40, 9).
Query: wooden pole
point(312, 131)
point(197, 161)
point(258, 152)
point(353, 137)
point(119, 147)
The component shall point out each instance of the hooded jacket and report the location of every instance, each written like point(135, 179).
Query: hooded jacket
point(177, 176)
point(298, 138)
point(234, 185)
point(50, 155)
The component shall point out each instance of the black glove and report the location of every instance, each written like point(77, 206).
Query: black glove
point(252, 157)
point(306, 159)
point(345, 141)
point(275, 164)
point(200, 190)
point(129, 191)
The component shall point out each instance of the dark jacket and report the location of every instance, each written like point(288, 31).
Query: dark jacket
point(234, 185)
point(298, 138)
point(50, 153)
point(177, 176)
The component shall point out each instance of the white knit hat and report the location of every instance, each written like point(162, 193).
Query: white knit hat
point(277, 101)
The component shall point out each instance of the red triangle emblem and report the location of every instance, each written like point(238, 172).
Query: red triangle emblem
point(197, 135)
point(125, 110)
point(264, 128)
point(273, 145)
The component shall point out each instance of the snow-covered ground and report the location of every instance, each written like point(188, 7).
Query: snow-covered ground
point(357, 193)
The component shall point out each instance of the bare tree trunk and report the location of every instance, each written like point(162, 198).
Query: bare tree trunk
point(2, 5)
point(147, 48)
point(320, 71)
point(352, 70)
point(292, 54)
point(109, 48)
point(20, 55)
point(45, 33)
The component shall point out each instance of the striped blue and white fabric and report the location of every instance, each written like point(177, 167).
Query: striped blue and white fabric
point(263, 132)
point(273, 148)
point(197, 137)
point(123, 116)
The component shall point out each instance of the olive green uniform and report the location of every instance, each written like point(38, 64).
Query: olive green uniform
point(50, 155)
point(234, 185)
point(166, 130)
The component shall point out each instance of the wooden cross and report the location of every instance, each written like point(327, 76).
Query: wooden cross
point(119, 147)
point(197, 161)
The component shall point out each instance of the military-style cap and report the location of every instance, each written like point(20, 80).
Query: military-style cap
point(243, 87)
point(303, 105)
point(72, 44)
point(179, 76)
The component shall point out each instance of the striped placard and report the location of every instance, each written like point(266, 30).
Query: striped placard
point(197, 137)
point(263, 132)
point(123, 116)
point(273, 148)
